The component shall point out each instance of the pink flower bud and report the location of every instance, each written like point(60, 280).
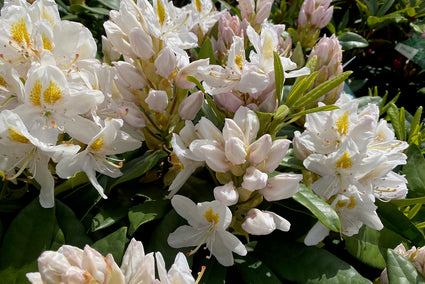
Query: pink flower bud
point(165, 62)
point(141, 43)
point(263, 10)
point(191, 105)
point(254, 179)
point(281, 186)
point(226, 194)
point(157, 100)
point(193, 69)
point(228, 101)
point(246, 7)
point(276, 154)
point(129, 74)
point(235, 151)
point(259, 222)
point(259, 150)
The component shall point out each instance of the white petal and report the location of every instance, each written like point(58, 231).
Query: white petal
point(316, 234)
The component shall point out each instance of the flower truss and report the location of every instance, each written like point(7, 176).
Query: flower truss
point(253, 111)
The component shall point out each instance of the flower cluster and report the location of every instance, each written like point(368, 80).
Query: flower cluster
point(354, 154)
point(242, 164)
point(71, 264)
point(53, 87)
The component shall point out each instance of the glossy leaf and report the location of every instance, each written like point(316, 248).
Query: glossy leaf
point(113, 243)
point(141, 165)
point(279, 76)
point(400, 270)
point(73, 230)
point(206, 51)
point(396, 221)
point(350, 40)
point(370, 246)
point(33, 231)
point(298, 263)
point(415, 171)
point(322, 210)
point(146, 212)
point(253, 270)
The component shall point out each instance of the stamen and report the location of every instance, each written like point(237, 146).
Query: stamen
point(72, 62)
point(202, 242)
point(120, 164)
point(182, 23)
point(48, 114)
point(200, 274)
point(7, 100)
point(24, 166)
point(11, 60)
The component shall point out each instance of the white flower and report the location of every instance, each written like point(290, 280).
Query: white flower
point(136, 266)
point(189, 161)
point(208, 222)
point(178, 273)
point(108, 141)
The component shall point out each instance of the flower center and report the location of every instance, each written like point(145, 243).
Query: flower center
point(211, 217)
point(344, 161)
point(47, 44)
point(97, 144)
point(52, 93)
point(342, 123)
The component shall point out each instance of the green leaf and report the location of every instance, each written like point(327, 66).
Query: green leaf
point(108, 216)
point(141, 165)
point(370, 246)
point(111, 4)
point(373, 21)
point(206, 51)
point(298, 263)
point(82, 9)
point(73, 230)
point(113, 243)
point(400, 270)
point(316, 109)
point(79, 178)
point(415, 127)
point(158, 239)
point(384, 8)
point(395, 115)
point(32, 231)
point(396, 221)
point(321, 90)
point(253, 270)
point(350, 40)
point(415, 171)
point(279, 76)
point(146, 212)
point(298, 89)
point(322, 210)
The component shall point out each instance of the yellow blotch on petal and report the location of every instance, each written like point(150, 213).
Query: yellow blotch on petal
point(16, 136)
point(211, 217)
point(343, 123)
point(52, 93)
point(344, 161)
point(19, 32)
point(3, 82)
point(97, 144)
point(238, 61)
point(340, 204)
point(35, 95)
point(47, 44)
point(198, 5)
point(352, 203)
point(160, 11)
point(46, 16)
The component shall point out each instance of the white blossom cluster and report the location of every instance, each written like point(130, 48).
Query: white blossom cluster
point(51, 88)
point(354, 154)
point(71, 264)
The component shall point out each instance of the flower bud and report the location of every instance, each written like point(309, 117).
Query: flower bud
point(52, 265)
point(259, 222)
point(165, 62)
point(129, 74)
point(191, 105)
point(254, 179)
point(281, 186)
point(226, 194)
point(157, 100)
point(276, 154)
point(259, 150)
point(235, 151)
point(141, 43)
